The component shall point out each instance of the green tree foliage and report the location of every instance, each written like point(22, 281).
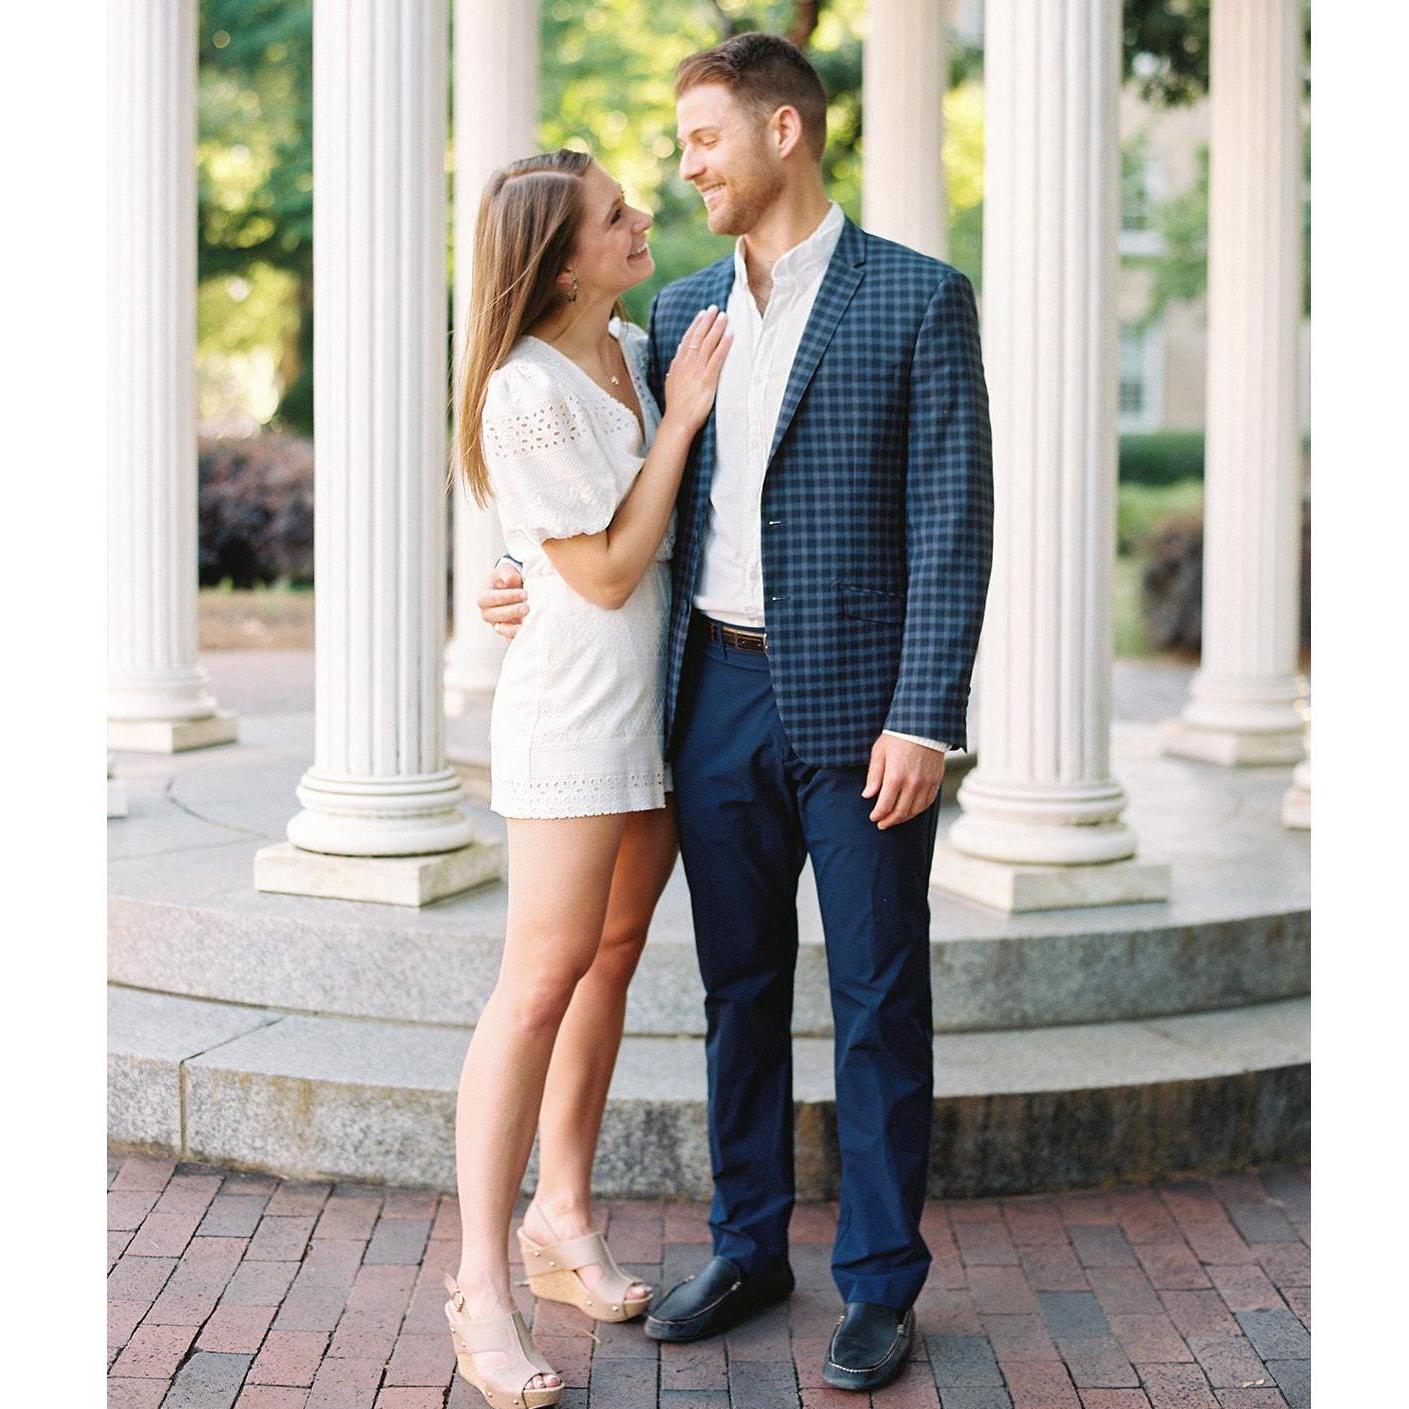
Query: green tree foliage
point(606, 83)
point(255, 176)
point(1166, 48)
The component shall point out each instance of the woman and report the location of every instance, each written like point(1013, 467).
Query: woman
point(558, 427)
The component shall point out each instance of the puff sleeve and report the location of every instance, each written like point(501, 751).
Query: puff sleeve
point(548, 470)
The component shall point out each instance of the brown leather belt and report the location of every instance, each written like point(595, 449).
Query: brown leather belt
point(738, 638)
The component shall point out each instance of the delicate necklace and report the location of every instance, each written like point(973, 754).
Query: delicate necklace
point(612, 376)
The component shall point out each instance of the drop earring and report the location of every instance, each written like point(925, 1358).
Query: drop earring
point(572, 292)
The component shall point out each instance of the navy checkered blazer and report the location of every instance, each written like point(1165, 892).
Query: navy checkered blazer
point(877, 512)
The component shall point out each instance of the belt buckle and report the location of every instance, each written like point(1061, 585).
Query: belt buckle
point(737, 638)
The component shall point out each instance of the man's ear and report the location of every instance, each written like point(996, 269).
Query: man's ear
point(787, 131)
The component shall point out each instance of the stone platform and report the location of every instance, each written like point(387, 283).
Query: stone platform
point(323, 1037)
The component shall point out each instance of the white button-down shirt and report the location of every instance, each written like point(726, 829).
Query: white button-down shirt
point(751, 389)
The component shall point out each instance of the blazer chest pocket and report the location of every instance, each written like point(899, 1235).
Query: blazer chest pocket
point(870, 604)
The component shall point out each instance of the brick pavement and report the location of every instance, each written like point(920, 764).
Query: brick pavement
point(229, 1289)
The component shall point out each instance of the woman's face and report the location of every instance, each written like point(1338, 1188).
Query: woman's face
point(610, 254)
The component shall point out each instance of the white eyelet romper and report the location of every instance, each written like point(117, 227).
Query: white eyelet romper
point(577, 724)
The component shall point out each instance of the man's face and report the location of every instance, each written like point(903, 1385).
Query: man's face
point(725, 155)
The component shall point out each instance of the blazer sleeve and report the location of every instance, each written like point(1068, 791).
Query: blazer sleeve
point(949, 519)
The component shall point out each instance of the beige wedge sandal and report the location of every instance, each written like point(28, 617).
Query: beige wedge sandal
point(505, 1333)
point(552, 1274)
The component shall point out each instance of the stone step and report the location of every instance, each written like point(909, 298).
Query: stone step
point(311, 1096)
point(184, 917)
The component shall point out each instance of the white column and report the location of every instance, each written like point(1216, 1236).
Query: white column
point(379, 786)
point(496, 121)
point(158, 697)
point(904, 76)
point(1041, 824)
point(1243, 705)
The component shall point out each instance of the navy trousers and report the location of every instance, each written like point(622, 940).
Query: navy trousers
point(750, 812)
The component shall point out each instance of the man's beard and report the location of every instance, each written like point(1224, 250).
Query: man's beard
point(745, 204)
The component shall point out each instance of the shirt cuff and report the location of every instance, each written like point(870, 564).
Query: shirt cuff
point(916, 739)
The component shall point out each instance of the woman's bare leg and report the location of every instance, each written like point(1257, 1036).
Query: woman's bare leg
point(585, 1053)
point(560, 882)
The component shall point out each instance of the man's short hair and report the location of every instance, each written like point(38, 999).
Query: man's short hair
point(765, 72)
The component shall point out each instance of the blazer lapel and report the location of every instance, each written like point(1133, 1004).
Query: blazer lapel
point(838, 285)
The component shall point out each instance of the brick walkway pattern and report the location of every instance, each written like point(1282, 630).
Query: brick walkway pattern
point(229, 1289)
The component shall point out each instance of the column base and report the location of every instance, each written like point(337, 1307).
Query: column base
point(1232, 748)
point(1012, 886)
point(459, 703)
point(117, 798)
point(1296, 809)
point(467, 739)
point(473, 771)
point(1296, 801)
point(384, 880)
point(472, 672)
point(173, 735)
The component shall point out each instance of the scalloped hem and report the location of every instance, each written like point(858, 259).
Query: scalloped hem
point(560, 799)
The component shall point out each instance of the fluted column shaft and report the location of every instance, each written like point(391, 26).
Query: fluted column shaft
point(379, 784)
point(1243, 704)
point(496, 121)
point(151, 242)
point(905, 70)
point(1043, 790)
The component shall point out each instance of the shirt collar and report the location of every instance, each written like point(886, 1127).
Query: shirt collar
point(799, 266)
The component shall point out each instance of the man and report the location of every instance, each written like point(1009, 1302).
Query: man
point(831, 565)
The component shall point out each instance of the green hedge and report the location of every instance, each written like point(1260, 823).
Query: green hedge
point(1142, 508)
point(1165, 457)
point(1161, 457)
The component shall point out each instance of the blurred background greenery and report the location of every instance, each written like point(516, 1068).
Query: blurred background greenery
point(606, 85)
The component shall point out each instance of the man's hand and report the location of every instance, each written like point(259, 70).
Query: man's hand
point(904, 779)
point(504, 603)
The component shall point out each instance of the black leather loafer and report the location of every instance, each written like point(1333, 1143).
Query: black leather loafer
point(717, 1298)
point(869, 1346)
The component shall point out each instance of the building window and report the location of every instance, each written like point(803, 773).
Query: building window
point(1132, 378)
point(1141, 189)
point(1141, 396)
point(1136, 206)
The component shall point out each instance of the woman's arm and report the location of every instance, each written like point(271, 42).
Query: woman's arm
point(606, 567)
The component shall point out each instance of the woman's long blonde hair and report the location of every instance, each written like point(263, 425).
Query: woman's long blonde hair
point(528, 219)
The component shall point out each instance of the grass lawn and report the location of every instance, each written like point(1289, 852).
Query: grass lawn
point(258, 619)
point(1129, 625)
